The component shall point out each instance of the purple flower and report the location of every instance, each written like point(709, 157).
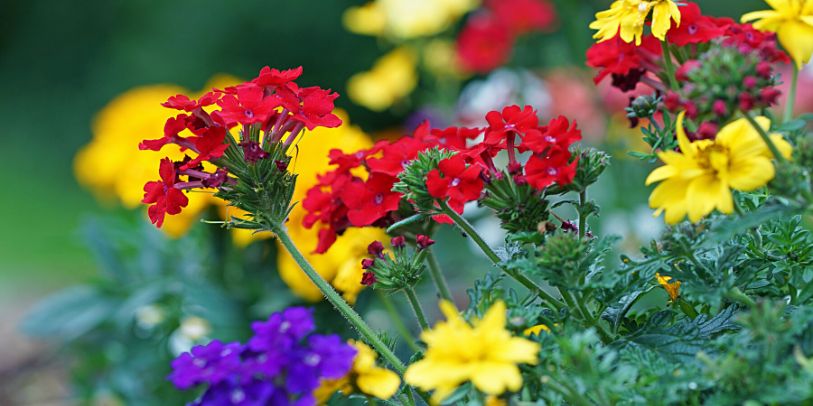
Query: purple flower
point(282, 364)
point(210, 363)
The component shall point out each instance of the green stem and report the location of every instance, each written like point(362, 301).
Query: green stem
point(738, 296)
point(668, 66)
point(416, 307)
point(467, 228)
point(765, 137)
point(389, 307)
point(582, 214)
point(576, 303)
point(337, 301)
point(437, 276)
point(789, 104)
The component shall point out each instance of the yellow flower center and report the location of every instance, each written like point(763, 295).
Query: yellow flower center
point(713, 158)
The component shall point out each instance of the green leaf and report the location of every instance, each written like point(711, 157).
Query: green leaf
point(69, 314)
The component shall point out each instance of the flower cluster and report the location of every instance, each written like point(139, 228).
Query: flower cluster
point(487, 39)
point(282, 364)
point(362, 190)
point(485, 354)
point(269, 113)
point(630, 63)
point(401, 270)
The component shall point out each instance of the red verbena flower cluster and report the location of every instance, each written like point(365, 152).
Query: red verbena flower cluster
point(487, 39)
point(628, 64)
point(271, 105)
point(359, 192)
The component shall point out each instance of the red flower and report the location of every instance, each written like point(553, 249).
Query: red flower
point(183, 102)
point(503, 127)
point(558, 134)
point(455, 182)
point(543, 171)
point(484, 44)
point(748, 39)
point(162, 195)
point(249, 106)
point(317, 108)
point(172, 127)
point(523, 16)
point(424, 241)
point(394, 155)
point(368, 278)
point(274, 77)
point(620, 58)
point(209, 146)
point(370, 201)
point(694, 28)
point(452, 138)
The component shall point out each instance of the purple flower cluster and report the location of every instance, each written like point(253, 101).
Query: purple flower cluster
point(282, 364)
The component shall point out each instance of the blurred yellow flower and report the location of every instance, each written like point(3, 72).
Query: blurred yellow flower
point(341, 265)
point(699, 179)
point(112, 166)
point(392, 78)
point(486, 354)
point(364, 376)
point(629, 16)
point(405, 19)
point(671, 288)
point(440, 58)
point(792, 21)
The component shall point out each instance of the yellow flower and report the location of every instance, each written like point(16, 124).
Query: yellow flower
point(405, 19)
point(485, 354)
point(112, 166)
point(364, 376)
point(672, 288)
point(792, 21)
point(629, 16)
point(536, 330)
point(699, 179)
point(440, 58)
point(392, 78)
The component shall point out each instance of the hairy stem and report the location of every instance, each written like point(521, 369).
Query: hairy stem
point(397, 321)
point(582, 214)
point(416, 307)
point(337, 301)
point(437, 276)
point(668, 66)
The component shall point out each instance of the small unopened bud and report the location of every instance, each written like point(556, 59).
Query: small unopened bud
point(672, 101)
point(368, 278)
point(769, 95)
point(398, 242)
point(750, 82)
point(719, 108)
point(707, 130)
point(764, 70)
point(376, 248)
point(746, 101)
point(367, 263)
point(424, 241)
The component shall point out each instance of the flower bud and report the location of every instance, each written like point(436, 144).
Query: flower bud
point(376, 248)
point(398, 241)
point(746, 101)
point(424, 241)
point(720, 108)
point(707, 131)
point(367, 263)
point(769, 95)
point(750, 82)
point(368, 278)
point(764, 70)
point(672, 101)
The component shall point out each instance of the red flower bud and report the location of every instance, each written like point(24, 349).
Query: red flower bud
point(682, 73)
point(750, 82)
point(368, 279)
point(719, 108)
point(764, 70)
point(398, 242)
point(707, 130)
point(376, 248)
point(424, 241)
point(769, 95)
point(367, 263)
point(671, 101)
point(746, 101)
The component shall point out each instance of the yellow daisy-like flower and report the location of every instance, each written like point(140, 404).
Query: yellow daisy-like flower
point(364, 376)
point(700, 178)
point(536, 330)
point(672, 288)
point(628, 18)
point(392, 78)
point(485, 354)
point(792, 21)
